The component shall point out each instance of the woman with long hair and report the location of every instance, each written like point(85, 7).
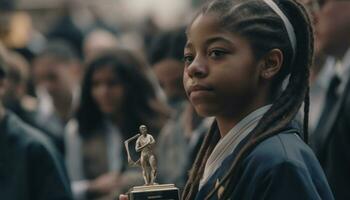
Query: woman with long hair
point(116, 99)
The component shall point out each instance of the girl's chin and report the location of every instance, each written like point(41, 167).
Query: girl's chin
point(204, 111)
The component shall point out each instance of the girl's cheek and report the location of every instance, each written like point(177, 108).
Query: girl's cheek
point(184, 79)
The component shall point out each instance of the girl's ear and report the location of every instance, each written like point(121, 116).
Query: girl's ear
point(271, 64)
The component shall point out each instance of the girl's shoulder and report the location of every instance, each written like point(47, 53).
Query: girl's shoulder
point(283, 148)
point(283, 166)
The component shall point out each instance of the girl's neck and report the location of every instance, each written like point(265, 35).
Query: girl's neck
point(236, 113)
point(227, 122)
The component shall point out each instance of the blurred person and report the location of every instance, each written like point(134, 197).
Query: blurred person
point(180, 138)
point(149, 29)
point(30, 167)
point(320, 71)
point(165, 56)
point(57, 74)
point(23, 37)
point(17, 31)
point(116, 99)
point(67, 29)
point(319, 58)
point(98, 40)
point(331, 138)
point(17, 99)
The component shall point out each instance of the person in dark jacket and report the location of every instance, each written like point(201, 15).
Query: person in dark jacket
point(331, 138)
point(30, 166)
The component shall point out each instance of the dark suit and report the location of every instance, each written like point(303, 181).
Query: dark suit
point(30, 168)
point(331, 143)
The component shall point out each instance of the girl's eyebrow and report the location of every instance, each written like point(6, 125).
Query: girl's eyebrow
point(209, 41)
point(217, 39)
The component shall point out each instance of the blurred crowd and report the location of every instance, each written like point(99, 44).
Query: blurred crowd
point(78, 83)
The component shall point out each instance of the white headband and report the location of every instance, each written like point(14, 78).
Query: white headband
point(287, 24)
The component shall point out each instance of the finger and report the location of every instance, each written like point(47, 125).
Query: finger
point(123, 197)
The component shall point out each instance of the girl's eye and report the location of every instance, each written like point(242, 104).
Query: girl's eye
point(187, 59)
point(216, 54)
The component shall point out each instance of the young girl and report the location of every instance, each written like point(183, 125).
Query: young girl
point(238, 54)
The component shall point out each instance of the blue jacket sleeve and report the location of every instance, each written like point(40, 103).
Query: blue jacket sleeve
point(288, 180)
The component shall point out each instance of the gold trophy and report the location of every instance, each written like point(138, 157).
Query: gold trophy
point(148, 162)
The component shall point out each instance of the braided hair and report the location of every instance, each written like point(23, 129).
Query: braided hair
point(265, 30)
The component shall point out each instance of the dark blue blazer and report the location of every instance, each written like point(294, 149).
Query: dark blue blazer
point(30, 168)
point(281, 167)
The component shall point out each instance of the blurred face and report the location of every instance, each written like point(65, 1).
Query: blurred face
point(333, 27)
point(220, 75)
point(53, 76)
point(169, 73)
point(107, 91)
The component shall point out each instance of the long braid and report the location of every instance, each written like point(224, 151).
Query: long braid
point(282, 112)
point(198, 168)
point(307, 95)
point(306, 115)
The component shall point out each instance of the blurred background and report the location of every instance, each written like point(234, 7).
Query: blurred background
point(88, 73)
point(132, 21)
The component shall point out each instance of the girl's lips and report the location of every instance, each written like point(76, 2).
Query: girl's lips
point(198, 88)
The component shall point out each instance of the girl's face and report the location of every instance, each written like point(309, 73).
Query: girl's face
point(221, 76)
point(107, 91)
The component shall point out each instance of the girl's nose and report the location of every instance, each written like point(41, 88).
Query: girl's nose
point(198, 68)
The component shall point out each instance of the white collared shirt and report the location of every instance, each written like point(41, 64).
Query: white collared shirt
point(343, 71)
point(230, 141)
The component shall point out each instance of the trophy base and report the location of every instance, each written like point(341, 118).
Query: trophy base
point(154, 192)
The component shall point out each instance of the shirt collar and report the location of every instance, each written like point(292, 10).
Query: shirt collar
point(341, 69)
point(344, 68)
point(230, 141)
point(326, 73)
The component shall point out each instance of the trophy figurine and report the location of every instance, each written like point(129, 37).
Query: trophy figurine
point(148, 162)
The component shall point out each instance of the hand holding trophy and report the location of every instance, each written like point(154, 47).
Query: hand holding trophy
point(148, 162)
